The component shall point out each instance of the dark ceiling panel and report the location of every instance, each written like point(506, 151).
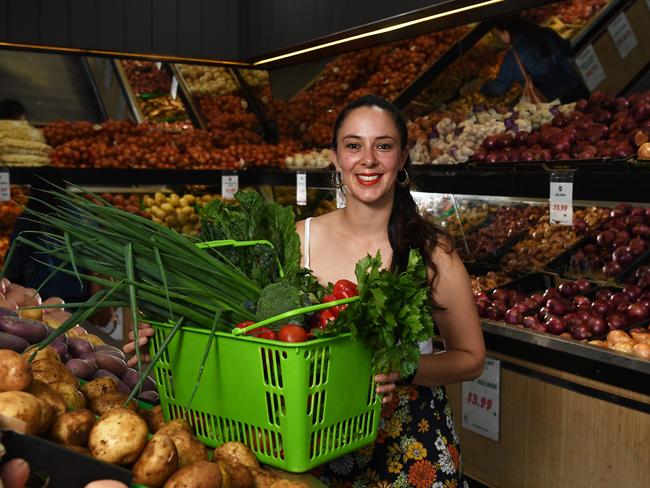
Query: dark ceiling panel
point(54, 23)
point(23, 21)
point(83, 23)
point(163, 29)
point(4, 19)
point(111, 35)
point(190, 26)
point(138, 25)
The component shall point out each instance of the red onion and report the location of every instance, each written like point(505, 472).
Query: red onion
point(597, 325)
point(612, 269)
point(637, 312)
point(617, 320)
point(581, 333)
point(500, 294)
point(557, 306)
point(632, 292)
point(552, 293)
point(555, 325)
point(531, 320)
point(604, 294)
point(605, 238)
point(568, 288)
point(601, 308)
point(583, 285)
point(581, 302)
point(513, 316)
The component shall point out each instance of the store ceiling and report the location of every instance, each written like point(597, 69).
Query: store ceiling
point(231, 31)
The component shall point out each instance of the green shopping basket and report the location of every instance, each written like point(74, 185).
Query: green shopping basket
point(296, 405)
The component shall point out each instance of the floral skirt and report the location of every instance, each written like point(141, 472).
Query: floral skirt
point(416, 446)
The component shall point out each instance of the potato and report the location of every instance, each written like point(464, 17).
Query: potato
point(49, 371)
point(98, 387)
point(72, 397)
point(154, 418)
point(45, 392)
point(20, 411)
point(47, 417)
point(94, 340)
point(109, 401)
point(118, 437)
point(73, 428)
point(235, 475)
point(203, 474)
point(190, 449)
point(236, 452)
point(174, 426)
point(282, 483)
point(157, 463)
point(15, 371)
point(47, 353)
point(263, 477)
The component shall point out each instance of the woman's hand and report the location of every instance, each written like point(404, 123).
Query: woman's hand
point(144, 332)
point(386, 385)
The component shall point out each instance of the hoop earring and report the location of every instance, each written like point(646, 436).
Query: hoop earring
point(338, 180)
point(405, 182)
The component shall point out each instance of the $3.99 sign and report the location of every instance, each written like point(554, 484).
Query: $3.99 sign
point(480, 407)
point(480, 402)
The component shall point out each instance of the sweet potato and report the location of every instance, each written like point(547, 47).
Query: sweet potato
point(78, 347)
point(80, 368)
point(15, 343)
point(30, 330)
point(15, 371)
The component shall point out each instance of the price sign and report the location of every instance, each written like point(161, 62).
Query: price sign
point(561, 199)
point(623, 35)
point(229, 186)
point(5, 187)
point(590, 68)
point(301, 188)
point(174, 89)
point(158, 65)
point(480, 398)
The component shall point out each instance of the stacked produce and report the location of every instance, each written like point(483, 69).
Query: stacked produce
point(97, 419)
point(636, 342)
point(22, 145)
point(507, 223)
point(9, 212)
point(489, 281)
point(152, 86)
point(314, 159)
point(176, 212)
point(575, 13)
point(205, 80)
point(621, 240)
point(545, 241)
point(570, 309)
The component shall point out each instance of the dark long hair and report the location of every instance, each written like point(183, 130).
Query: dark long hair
point(406, 228)
point(546, 40)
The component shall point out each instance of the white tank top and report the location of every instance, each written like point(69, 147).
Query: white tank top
point(426, 347)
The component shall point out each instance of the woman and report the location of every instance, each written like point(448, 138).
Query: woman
point(417, 444)
point(545, 57)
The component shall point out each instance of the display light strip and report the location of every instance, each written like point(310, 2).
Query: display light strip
point(383, 30)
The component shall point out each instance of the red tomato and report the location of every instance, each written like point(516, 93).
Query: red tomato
point(292, 333)
point(261, 332)
point(333, 310)
point(345, 289)
point(320, 319)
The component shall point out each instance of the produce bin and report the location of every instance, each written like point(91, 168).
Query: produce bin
point(297, 405)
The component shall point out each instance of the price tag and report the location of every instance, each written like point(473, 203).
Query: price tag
point(5, 188)
point(301, 188)
point(561, 199)
point(590, 68)
point(480, 407)
point(174, 90)
point(229, 186)
point(623, 35)
point(158, 65)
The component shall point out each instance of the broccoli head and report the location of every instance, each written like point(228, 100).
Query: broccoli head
point(278, 298)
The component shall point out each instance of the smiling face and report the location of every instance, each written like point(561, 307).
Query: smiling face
point(369, 154)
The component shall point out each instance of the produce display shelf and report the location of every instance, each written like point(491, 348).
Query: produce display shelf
point(571, 356)
point(442, 63)
point(186, 97)
point(594, 181)
point(594, 26)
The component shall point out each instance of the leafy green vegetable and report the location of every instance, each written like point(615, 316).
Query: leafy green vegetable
point(251, 218)
point(393, 313)
point(279, 298)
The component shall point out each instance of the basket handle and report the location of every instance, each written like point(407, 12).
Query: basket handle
point(233, 243)
point(311, 308)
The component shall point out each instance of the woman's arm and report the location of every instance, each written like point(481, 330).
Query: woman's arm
point(458, 325)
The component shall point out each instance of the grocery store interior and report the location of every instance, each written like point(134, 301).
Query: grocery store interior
point(162, 107)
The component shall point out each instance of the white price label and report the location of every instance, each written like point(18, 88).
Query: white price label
point(590, 68)
point(5, 187)
point(623, 35)
point(229, 186)
point(158, 65)
point(480, 399)
point(301, 188)
point(174, 90)
point(561, 203)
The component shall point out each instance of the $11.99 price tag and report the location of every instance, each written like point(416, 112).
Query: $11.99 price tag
point(480, 408)
point(229, 186)
point(561, 203)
